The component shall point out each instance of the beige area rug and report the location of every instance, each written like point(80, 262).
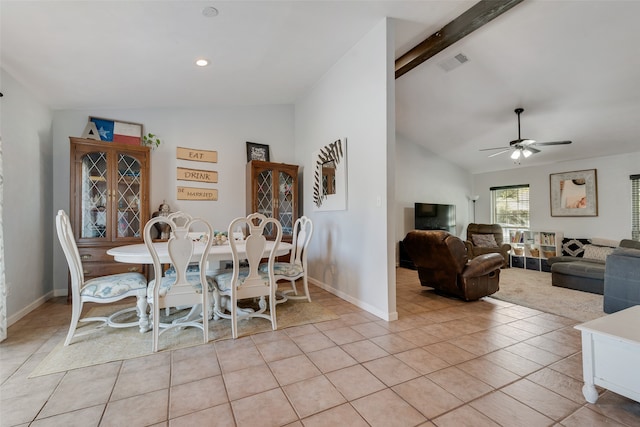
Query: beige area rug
point(533, 289)
point(111, 344)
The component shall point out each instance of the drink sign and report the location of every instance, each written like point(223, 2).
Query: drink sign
point(197, 175)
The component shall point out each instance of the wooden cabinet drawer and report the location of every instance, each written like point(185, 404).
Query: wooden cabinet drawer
point(94, 255)
point(96, 269)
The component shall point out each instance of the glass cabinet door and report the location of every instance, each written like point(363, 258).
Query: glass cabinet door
point(285, 202)
point(127, 197)
point(264, 195)
point(94, 189)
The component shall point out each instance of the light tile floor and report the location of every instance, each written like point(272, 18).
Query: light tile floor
point(443, 363)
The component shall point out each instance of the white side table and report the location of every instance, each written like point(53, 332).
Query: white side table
point(611, 354)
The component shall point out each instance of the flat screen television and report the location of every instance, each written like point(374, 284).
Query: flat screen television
point(431, 216)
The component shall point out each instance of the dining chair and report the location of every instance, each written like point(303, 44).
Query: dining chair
point(101, 290)
point(249, 282)
point(181, 285)
point(296, 268)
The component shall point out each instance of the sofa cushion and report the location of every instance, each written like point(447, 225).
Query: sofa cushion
point(599, 241)
point(592, 269)
point(599, 253)
point(628, 243)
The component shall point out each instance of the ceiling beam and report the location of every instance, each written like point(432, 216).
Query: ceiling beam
point(474, 18)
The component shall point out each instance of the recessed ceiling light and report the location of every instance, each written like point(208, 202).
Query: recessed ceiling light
point(202, 62)
point(210, 11)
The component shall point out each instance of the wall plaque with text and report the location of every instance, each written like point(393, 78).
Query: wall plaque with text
point(199, 175)
point(197, 155)
point(192, 193)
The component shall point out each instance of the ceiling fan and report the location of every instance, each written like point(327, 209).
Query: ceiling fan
point(522, 147)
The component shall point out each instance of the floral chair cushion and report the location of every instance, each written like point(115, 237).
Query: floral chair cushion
point(283, 269)
point(223, 280)
point(114, 285)
point(167, 282)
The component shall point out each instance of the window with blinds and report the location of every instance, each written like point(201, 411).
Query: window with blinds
point(511, 206)
point(635, 207)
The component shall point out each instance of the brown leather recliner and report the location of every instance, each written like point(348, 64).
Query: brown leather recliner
point(485, 229)
point(443, 264)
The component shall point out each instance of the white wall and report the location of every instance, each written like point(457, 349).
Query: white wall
point(614, 196)
point(422, 176)
point(349, 253)
point(224, 129)
point(28, 195)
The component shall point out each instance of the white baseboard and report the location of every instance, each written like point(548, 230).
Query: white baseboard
point(28, 309)
point(360, 304)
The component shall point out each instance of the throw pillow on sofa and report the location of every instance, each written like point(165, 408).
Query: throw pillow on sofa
point(573, 247)
point(597, 252)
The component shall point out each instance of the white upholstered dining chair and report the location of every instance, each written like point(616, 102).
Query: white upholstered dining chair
point(181, 285)
point(296, 268)
point(102, 290)
point(249, 282)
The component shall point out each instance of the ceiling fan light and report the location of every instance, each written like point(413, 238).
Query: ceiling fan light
point(526, 153)
point(516, 154)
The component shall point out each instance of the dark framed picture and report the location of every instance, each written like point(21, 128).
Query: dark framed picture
point(257, 152)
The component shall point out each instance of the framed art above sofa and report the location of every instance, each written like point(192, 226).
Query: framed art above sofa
point(574, 193)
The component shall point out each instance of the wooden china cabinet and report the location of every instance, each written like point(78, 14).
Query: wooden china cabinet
point(272, 190)
point(109, 201)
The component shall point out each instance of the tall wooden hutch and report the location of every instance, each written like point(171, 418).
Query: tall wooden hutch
point(272, 190)
point(109, 201)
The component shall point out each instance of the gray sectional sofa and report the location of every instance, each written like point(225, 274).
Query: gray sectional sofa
point(622, 279)
point(585, 274)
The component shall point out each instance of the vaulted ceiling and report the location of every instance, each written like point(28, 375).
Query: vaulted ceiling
point(572, 65)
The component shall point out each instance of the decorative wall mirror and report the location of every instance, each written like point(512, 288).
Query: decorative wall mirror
point(330, 177)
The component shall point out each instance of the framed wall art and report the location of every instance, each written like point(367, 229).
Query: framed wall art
point(257, 152)
point(330, 177)
point(574, 193)
point(117, 131)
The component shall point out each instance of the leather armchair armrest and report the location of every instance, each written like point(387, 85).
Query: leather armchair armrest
point(482, 265)
point(469, 245)
point(505, 247)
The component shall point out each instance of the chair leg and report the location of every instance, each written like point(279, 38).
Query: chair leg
point(156, 325)
point(75, 318)
point(141, 306)
point(217, 306)
point(306, 287)
point(272, 311)
point(234, 318)
point(205, 317)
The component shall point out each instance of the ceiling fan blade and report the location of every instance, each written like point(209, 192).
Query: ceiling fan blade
point(553, 143)
point(499, 152)
point(533, 150)
point(495, 148)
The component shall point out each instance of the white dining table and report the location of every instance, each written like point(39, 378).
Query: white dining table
point(139, 254)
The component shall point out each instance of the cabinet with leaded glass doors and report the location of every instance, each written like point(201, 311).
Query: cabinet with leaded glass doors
point(272, 190)
point(109, 201)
